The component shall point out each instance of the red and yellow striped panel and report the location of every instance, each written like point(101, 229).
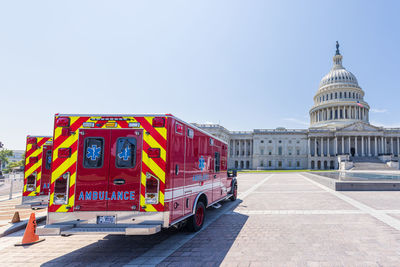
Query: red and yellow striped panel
point(152, 137)
point(32, 168)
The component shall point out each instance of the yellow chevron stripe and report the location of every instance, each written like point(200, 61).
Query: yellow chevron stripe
point(154, 144)
point(63, 167)
point(67, 143)
point(162, 131)
point(161, 198)
point(154, 167)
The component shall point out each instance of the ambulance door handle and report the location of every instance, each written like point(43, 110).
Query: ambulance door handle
point(119, 181)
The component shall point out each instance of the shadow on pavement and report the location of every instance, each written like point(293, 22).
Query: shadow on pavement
point(211, 244)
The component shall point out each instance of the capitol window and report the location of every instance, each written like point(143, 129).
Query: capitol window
point(345, 96)
point(280, 141)
point(340, 95)
point(262, 151)
point(270, 141)
point(262, 141)
point(280, 151)
point(269, 163)
point(335, 95)
point(331, 95)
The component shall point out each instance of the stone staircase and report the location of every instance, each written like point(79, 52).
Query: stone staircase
point(369, 163)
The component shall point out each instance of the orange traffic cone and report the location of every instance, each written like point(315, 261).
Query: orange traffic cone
point(16, 218)
point(30, 236)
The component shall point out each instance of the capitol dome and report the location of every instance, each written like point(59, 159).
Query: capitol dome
point(339, 99)
point(339, 76)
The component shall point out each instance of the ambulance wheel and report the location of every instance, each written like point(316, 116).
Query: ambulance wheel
point(234, 195)
point(195, 222)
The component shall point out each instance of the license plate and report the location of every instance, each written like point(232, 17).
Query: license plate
point(105, 219)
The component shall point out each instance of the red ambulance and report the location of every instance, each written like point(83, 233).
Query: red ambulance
point(38, 153)
point(133, 174)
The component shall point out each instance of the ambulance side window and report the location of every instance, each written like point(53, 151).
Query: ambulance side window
point(48, 160)
point(93, 153)
point(125, 156)
point(217, 163)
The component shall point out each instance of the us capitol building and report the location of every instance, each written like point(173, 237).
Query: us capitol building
point(339, 132)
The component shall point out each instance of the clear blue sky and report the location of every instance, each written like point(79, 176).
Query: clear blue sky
point(243, 64)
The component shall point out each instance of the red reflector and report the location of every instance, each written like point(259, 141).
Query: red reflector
point(64, 152)
point(158, 122)
point(153, 152)
point(31, 140)
point(62, 122)
point(65, 131)
point(33, 160)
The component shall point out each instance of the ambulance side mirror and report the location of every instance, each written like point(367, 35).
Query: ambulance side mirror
point(232, 173)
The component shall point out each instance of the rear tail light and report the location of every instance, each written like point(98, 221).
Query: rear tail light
point(64, 152)
point(65, 131)
point(61, 187)
point(31, 182)
point(31, 140)
point(158, 122)
point(152, 189)
point(153, 152)
point(62, 122)
point(33, 160)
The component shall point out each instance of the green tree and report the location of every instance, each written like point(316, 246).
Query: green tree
point(4, 155)
point(13, 165)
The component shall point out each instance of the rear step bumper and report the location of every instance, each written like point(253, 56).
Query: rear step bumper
point(71, 229)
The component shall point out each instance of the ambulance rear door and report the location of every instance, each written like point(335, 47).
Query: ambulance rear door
point(46, 169)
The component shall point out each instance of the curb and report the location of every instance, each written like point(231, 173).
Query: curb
point(12, 228)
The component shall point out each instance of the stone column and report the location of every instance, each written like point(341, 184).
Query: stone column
point(309, 146)
point(349, 144)
point(376, 147)
point(398, 147)
point(335, 145)
point(369, 146)
point(315, 147)
point(327, 147)
point(391, 145)
point(355, 146)
point(322, 146)
point(362, 146)
point(342, 145)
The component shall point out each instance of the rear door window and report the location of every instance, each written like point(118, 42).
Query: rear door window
point(94, 147)
point(48, 160)
point(126, 152)
point(217, 162)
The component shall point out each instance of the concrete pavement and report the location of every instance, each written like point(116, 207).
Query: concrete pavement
point(285, 220)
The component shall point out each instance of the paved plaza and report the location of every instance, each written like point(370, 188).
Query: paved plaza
point(280, 219)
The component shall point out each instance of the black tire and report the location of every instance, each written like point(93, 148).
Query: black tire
point(195, 222)
point(234, 196)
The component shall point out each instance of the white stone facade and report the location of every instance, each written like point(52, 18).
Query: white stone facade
point(339, 128)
